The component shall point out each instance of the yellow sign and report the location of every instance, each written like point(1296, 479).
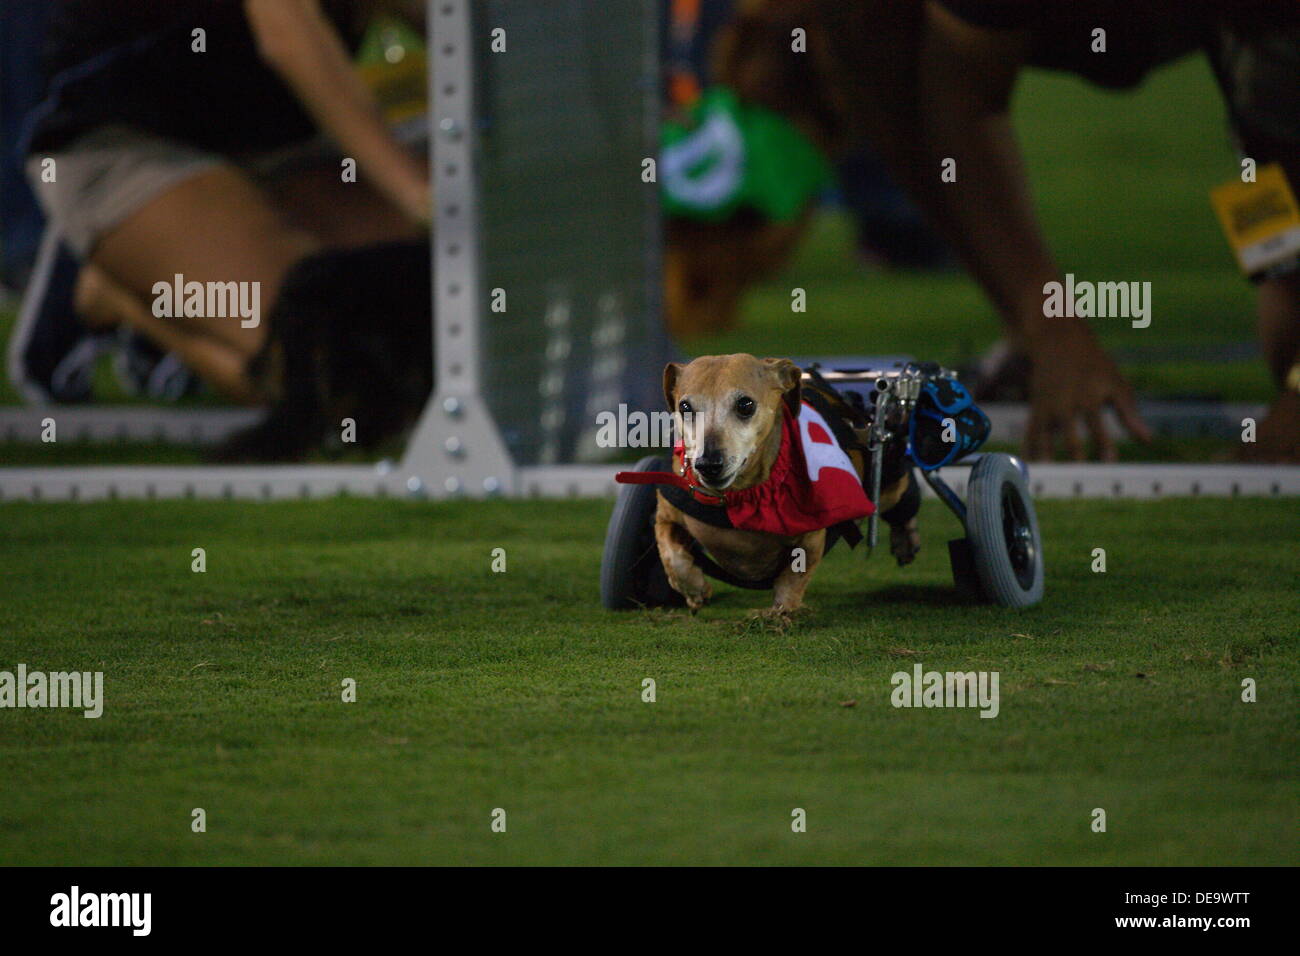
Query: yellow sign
point(1260, 219)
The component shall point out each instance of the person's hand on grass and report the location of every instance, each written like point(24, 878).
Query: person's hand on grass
point(1073, 379)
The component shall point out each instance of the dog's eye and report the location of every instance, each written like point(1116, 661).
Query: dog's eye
point(684, 407)
point(745, 406)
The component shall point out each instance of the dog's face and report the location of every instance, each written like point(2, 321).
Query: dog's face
point(726, 407)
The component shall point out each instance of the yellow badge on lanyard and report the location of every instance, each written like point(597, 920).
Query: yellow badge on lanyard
point(1260, 219)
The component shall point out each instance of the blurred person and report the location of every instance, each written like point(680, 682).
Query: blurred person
point(22, 35)
point(969, 55)
point(924, 81)
point(144, 154)
point(54, 365)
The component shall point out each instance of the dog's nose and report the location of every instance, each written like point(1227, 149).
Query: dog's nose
point(709, 467)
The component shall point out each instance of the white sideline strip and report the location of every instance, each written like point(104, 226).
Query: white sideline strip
point(1071, 480)
point(1166, 418)
point(1046, 481)
point(1054, 480)
point(194, 481)
point(114, 423)
point(208, 426)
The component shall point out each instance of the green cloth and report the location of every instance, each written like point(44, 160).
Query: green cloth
point(732, 155)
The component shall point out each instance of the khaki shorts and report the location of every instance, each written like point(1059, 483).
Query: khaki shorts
point(102, 178)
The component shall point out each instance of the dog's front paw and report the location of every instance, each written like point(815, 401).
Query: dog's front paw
point(904, 542)
point(698, 598)
point(694, 587)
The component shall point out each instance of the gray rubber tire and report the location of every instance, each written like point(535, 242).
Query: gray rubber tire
point(631, 574)
point(1003, 531)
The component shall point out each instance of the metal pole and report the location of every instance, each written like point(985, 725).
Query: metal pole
point(456, 448)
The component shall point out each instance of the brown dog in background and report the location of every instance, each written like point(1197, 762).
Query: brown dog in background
point(728, 412)
point(825, 93)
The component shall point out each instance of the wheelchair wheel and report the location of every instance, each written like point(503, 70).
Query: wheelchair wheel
point(631, 574)
point(1003, 532)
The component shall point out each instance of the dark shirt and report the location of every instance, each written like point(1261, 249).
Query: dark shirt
point(133, 62)
point(1141, 35)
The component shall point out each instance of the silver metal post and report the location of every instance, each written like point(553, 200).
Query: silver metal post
point(456, 448)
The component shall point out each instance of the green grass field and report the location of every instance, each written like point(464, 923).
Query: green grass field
point(478, 690)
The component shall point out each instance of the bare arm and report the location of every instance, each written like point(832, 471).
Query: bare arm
point(301, 45)
point(966, 78)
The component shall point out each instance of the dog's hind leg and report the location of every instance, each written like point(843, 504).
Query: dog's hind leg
point(904, 541)
point(685, 576)
point(899, 505)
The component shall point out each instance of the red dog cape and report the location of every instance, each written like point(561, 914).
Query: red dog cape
point(812, 484)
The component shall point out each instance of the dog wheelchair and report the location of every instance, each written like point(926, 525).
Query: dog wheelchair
point(914, 416)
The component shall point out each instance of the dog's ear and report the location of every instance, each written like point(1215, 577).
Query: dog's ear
point(671, 371)
point(789, 378)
